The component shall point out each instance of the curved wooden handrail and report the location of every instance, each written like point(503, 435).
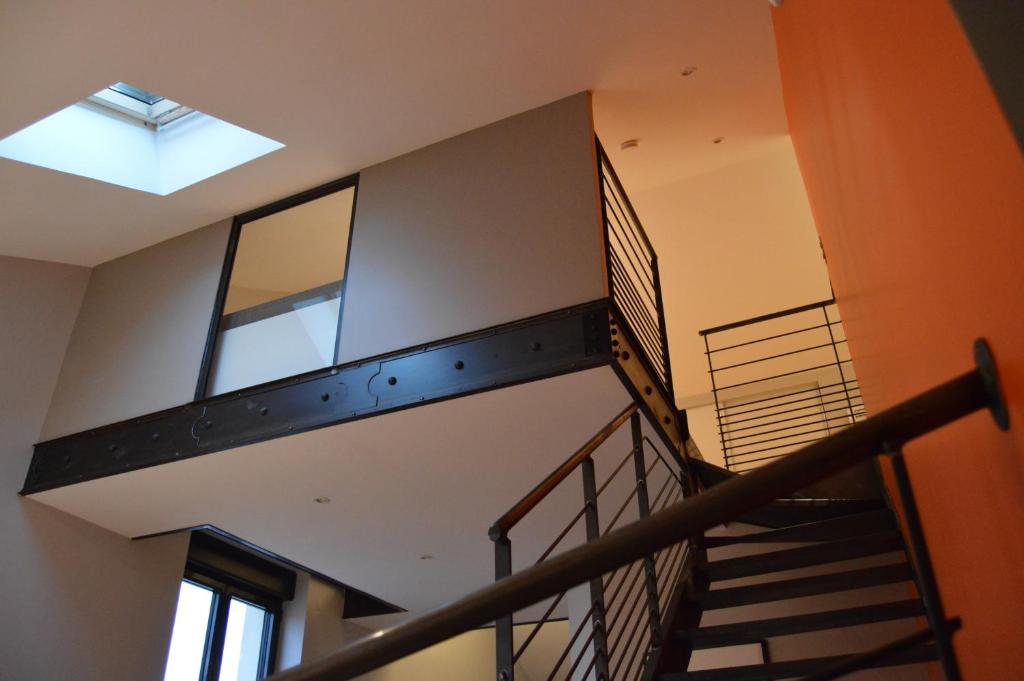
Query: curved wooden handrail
point(915, 417)
point(506, 522)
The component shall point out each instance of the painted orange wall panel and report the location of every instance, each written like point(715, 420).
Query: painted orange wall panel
point(917, 188)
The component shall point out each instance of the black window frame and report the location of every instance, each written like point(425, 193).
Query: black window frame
point(237, 223)
point(224, 590)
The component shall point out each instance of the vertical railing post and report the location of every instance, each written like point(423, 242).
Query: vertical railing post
point(839, 364)
point(644, 504)
point(503, 625)
point(597, 584)
point(924, 574)
point(662, 328)
point(718, 408)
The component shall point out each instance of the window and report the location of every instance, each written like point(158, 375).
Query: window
point(282, 300)
point(229, 607)
point(152, 111)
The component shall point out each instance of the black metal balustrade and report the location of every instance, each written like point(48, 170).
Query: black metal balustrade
point(677, 527)
point(634, 282)
point(624, 618)
point(780, 381)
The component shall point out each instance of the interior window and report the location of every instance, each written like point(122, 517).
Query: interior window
point(282, 306)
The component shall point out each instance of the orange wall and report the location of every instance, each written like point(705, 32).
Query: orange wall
point(917, 189)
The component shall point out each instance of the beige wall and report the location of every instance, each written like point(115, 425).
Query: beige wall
point(138, 342)
point(79, 602)
point(491, 226)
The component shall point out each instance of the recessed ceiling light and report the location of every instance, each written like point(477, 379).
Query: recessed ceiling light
point(688, 71)
point(718, 140)
point(629, 144)
point(134, 138)
point(426, 556)
point(322, 500)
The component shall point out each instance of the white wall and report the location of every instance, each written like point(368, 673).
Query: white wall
point(79, 602)
point(488, 227)
point(139, 338)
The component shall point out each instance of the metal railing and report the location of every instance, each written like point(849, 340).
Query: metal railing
point(634, 282)
point(780, 381)
point(676, 523)
point(623, 617)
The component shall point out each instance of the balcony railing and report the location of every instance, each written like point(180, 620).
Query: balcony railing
point(634, 283)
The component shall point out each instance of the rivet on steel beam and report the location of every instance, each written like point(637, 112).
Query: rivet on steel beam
point(460, 365)
point(648, 390)
point(324, 397)
point(625, 355)
point(392, 380)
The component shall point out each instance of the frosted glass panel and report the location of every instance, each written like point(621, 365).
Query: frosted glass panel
point(188, 640)
point(283, 300)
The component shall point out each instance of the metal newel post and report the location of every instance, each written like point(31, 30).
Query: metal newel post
point(650, 576)
point(925, 575)
point(596, 584)
point(503, 625)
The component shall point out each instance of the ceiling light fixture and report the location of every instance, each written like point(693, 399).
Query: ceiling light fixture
point(688, 71)
point(322, 500)
point(629, 144)
point(426, 556)
point(718, 140)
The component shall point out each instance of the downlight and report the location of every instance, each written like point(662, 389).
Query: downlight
point(132, 137)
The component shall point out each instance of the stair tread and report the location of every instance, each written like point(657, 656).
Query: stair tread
point(785, 670)
point(854, 525)
point(804, 586)
point(792, 511)
point(804, 556)
point(757, 630)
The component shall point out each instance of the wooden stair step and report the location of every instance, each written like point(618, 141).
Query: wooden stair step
point(855, 525)
point(804, 586)
point(804, 556)
point(757, 630)
point(796, 668)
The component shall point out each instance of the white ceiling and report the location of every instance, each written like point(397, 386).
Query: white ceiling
point(348, 84)
point(424, 481)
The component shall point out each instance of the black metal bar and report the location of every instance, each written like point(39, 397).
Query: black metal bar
point(627, 606)
point(839, 363)
point(617, 185)
point(625, 576)
point(568, 646)
point(661, 457)
point(596, 585)
point(663, 327)
point(768, 338)
point(561, 535)
point(623, 507)
point(878, 656)
point(504, 658)
point(823, 429)
point(625, 288)
point(766, 317)
point(820, 403)
point(768, 449)
point(906, 421)
point(924, 572)
point(779, 397)
point(644, 509)
point(638, 622)
point(714, 392)
point(626, 260)
point(536, 627)
point(783, 375)
point(782, 354)
point(628, 245)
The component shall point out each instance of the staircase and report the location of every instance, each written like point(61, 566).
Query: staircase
point(768, 591)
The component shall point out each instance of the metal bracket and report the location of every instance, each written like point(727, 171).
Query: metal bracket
point(986, 364)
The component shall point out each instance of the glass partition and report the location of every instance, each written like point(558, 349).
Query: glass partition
point(282, 305)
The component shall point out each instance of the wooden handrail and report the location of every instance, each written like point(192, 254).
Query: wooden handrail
point(724, 502)
point(506, 522)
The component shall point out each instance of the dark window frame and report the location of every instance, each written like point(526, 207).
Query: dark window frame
point(225, 589)
point(239, 221)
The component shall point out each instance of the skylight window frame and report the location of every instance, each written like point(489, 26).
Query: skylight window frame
point(154, 116)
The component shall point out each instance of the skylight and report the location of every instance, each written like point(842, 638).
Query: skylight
point(134, 138)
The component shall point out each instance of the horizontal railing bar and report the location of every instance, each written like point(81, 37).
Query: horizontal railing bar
point(632, 634)
point(612, 179)
point(624, 260)
point(825, 429)
point(649, 307)
point(629, 217)
point(768, 338)
point(776, 397)
point(788, 373)
point(768, 317)
point(530, 501)
point(579, 657)
point(771, 357)
point(561, 535)
point(593, 660)
point(906, 421)
point(627, 601)
point(656, 372)
point(625, 234)
point(846, 391)
point(850, 406)
point(625, 502)
point(625, 576)
point(639, 316)
point(735, 455)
